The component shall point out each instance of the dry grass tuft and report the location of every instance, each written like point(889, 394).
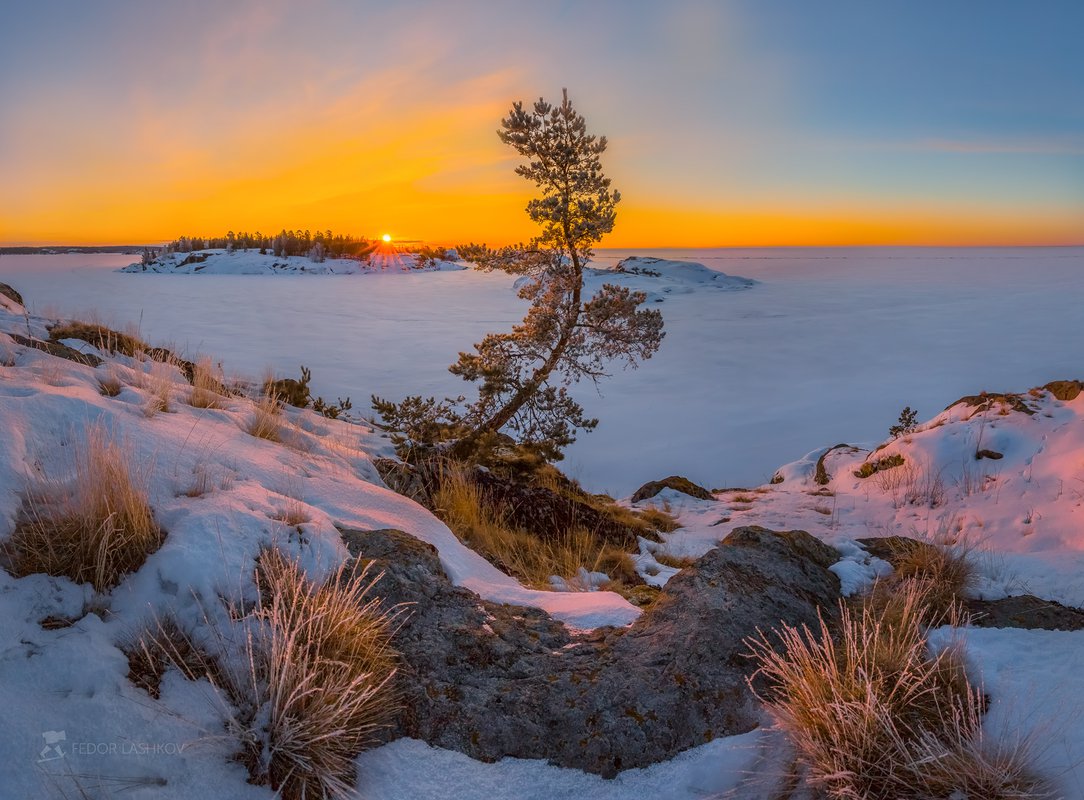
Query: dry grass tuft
point(318, 682)
point(947, 571)
point(94, 529)
point(294, 512)
point(620, 515)
point(912, 484)
point(266, 422)
point(159, 385)
point(873, 714)
point(676, 562)
point(163, 644)
point(618, 565)
point(207, 386)
point(109, 380)
point(202, 482)
point(659, 519)
point(51, 372)
point(459, 503)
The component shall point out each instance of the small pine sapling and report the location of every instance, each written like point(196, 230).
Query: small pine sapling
point(905, 425)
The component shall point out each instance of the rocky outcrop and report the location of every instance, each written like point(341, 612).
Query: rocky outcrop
point(187, 368)
point(57, 349)
point(820, 474)
point(551, 514)
point(548, 513)
point(11, 294)
point(1064, 390)
point(494, 681)
point(987, 400)
point(675, 482)
point(1024, 611)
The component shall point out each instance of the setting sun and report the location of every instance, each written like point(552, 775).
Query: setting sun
point(386, 237)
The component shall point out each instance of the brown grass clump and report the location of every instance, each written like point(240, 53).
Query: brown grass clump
point(659, 519)
point(202, 482)
point(207, 386)
point(109, 381)
point(459, 503)
point(293, 513)
point(874, 715)
point(949, 571)
point(105, 339)
point(911, 484)
point(945, 572)
point(619, 514)
point(51, 372)
point(317, 686)
point(163, 644)
point(159, 385)
point(95, 529)
point(677, 562)
point(266, 422)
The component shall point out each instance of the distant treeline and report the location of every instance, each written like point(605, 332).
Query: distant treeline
point(63, 248)
point(284, 243)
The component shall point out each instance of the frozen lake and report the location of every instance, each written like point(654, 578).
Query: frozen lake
point(828, 348)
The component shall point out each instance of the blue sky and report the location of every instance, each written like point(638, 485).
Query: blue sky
point(730, 122)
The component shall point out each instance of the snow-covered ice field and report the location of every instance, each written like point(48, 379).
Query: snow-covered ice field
point(828, 347)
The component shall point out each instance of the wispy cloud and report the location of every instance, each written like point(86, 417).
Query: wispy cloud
point(984, 145)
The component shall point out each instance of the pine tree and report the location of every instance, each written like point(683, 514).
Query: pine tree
point(524, 375)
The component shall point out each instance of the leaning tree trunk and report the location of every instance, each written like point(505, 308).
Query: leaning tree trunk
point(503, 415)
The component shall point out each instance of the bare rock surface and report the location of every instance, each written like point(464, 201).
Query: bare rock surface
point(675, 482)
point(57, 349)
point(493, 680)
point(1025, 611)
point(11, 294)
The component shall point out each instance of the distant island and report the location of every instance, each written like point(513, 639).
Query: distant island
point(220, 261)
point(289, 252)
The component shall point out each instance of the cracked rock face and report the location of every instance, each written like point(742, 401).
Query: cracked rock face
point(494, 680)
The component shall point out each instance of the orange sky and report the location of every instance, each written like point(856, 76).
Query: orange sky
point(141, 124)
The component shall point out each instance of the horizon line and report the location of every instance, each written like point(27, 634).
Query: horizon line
point(40, 245)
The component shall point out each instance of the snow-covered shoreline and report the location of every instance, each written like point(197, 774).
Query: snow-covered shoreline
point(253, 262)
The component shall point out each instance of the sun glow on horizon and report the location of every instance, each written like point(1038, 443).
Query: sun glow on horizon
point(782, 141)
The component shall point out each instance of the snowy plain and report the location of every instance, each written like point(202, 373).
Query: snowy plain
point(827, 347)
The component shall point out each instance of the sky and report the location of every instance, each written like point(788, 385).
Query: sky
point(746, 123)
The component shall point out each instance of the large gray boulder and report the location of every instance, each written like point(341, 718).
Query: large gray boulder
point(492, 680)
